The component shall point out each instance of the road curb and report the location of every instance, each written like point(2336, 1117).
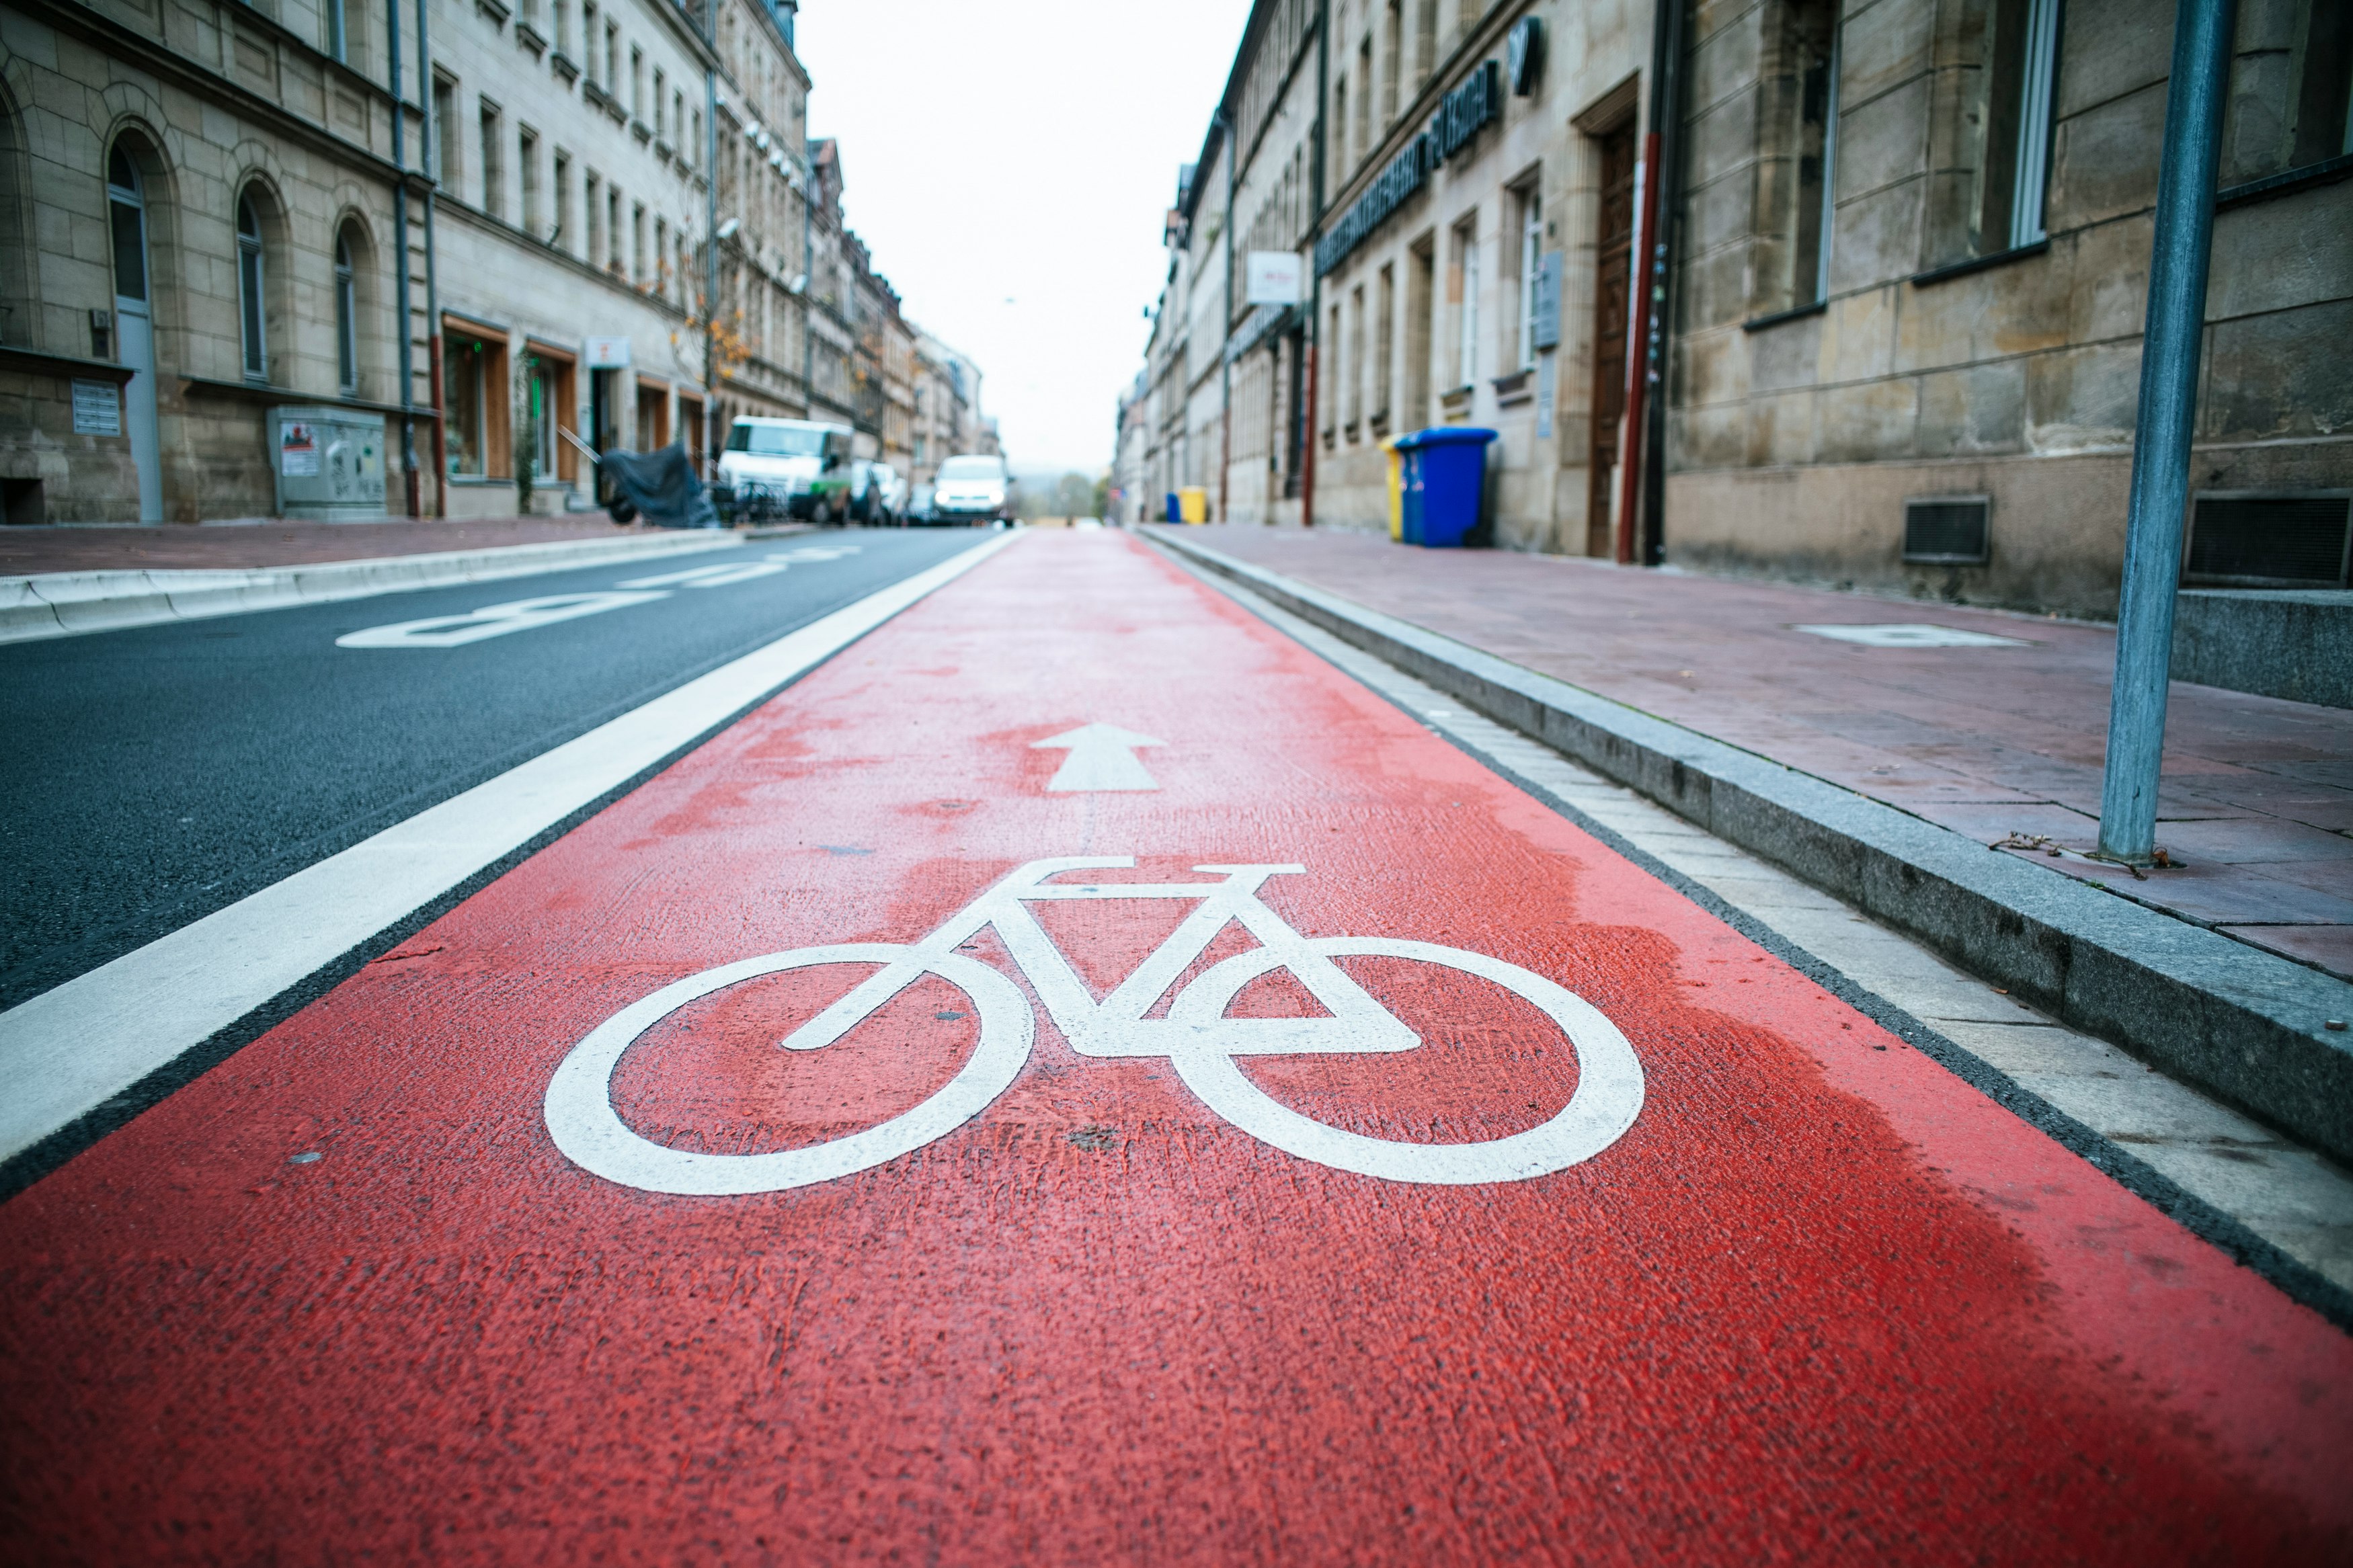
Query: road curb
point(2237, 1022)
point(67, 604)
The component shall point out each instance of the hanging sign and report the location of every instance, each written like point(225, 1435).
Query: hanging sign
point(1271, 277)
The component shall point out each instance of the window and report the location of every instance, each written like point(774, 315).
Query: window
point(527, 166)
point(559, 233)
point(347, 325)
point(661, 86)
point(1384, 343)
point(127, 221)
point(1339, 135)
point(2022, 56)
point(494, 173)
point(562, 18)
point(638, 84)
point(589, 40)
point(613, 229)
point(612, 56)
point(1364, 96)
point(1332, 371)
point(1356, 359)
point(463, 416)
point(251, 311)
point(678, 112)
point(1466, 302)
point(694, 153)
point(1392, 43)
point(445, 135)
point(661, 258)
point(540, 410)
point(2289, 100)
point(1420, 276)
point(636, 243)
point(337, 45)
point(595, 235)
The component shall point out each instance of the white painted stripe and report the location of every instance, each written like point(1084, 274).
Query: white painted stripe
point(68, 1051)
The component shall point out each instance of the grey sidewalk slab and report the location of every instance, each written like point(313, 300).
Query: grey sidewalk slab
point(1995, 740)
point(2236, 1020)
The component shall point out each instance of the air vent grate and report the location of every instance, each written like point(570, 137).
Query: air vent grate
point(1948, 531)
point(2282, 541)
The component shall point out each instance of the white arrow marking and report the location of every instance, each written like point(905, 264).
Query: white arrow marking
point(1102, 757)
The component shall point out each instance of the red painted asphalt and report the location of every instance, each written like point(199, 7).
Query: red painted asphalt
point(1821, 1301)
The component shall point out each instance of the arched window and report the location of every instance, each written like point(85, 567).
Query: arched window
point(347, 326)
point(248, 289)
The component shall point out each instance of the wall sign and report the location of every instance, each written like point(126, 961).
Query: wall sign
point(97, 408)
point(1545, 329)
point(1271, 277)
point(606, 353)
point(1460, 116)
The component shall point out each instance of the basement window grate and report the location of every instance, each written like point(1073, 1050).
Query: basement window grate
point(2243, 540)
point(1946, 530)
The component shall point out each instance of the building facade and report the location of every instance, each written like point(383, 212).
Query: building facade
point(1906, 246)
point(493, 237)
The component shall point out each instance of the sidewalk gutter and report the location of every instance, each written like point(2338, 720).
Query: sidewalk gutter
point(65, 604)
point(2238, 1022)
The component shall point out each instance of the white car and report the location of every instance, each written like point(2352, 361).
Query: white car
point(795, 467)
point(973, 489)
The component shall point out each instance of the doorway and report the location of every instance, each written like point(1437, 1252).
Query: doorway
point(1613, 261)
point(604, 429)
point(134, 332)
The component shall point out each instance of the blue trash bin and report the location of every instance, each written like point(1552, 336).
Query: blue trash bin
point(1445, 475)
point(1175, 511)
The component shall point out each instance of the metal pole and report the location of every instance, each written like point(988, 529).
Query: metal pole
point(2168, 407)
point(1315, 278)
point(400, 248)
point(710, 252)
point(1225, 337)
point(1653, 275)
point(424, 154)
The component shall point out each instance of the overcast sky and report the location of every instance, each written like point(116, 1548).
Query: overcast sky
point(1008, 165)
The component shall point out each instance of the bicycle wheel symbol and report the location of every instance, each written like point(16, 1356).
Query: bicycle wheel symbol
point(1195, 1036)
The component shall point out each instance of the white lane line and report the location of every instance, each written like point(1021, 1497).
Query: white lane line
point(708, 576)
point(491, 621)
point(68, 1051)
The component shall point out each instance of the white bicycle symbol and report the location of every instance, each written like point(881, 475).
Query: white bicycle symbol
point(1200, 1041)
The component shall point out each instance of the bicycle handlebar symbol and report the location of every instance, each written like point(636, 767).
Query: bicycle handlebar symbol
point(1195, 1036)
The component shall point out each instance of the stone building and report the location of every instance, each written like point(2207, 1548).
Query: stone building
point(493, 234)
point(1907, 249)
point(946, 420)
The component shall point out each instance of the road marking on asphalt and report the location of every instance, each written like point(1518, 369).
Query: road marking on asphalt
point(1906, 634)
point(69, 1050)
point(1196, 1038)
point(709, 577)
point(495, 620)
point(815, 552)
point(1103, 758)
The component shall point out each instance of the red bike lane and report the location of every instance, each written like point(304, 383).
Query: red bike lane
point(345, 1298)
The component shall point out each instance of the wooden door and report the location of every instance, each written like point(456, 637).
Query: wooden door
point(1612, 280)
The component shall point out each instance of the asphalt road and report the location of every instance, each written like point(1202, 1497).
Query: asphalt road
point(156, 775)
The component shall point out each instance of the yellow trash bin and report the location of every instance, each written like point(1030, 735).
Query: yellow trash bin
point(1192, 504)
point(1397, 489)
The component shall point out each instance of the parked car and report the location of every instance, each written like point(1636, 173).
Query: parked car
point(788, 468)
point(919, 502)
point(974, 489)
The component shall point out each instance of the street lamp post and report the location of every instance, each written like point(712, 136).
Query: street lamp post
point(2168, 407)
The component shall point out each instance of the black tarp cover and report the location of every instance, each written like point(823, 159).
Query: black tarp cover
point(662, 487)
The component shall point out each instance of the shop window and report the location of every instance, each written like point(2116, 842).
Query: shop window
point(475, 404)
point(1464, 295)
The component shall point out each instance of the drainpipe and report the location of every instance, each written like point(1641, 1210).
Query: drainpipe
point(709, 250)
point(2168, 407)
point(432, 287)
point(1315, 278)
point(809, 275)
point(1226, 338)
point(400, 248)
point(1664, 153)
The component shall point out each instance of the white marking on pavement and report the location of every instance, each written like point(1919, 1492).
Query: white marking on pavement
point(816, 553)
point(708, 576)
point(492, 620)
point(72, 1049)
point(1912, 634)
point(1103, 758)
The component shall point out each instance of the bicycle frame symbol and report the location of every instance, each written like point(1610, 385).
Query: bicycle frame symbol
point(1195, 1036)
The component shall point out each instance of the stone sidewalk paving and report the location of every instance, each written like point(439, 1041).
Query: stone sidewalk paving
point(27, 551)
point(1997, 739)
